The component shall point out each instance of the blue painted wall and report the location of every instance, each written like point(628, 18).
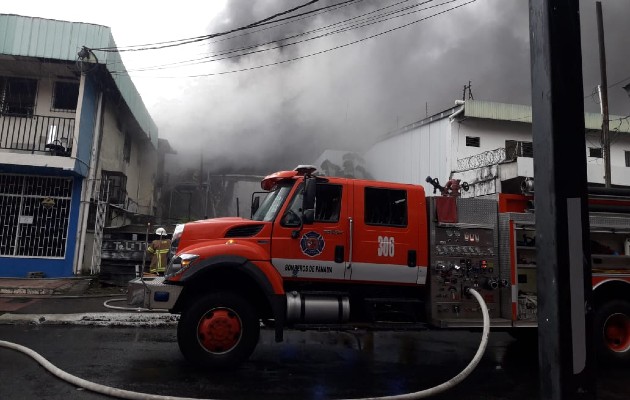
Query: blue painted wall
point(19, 267)
point(87, 125)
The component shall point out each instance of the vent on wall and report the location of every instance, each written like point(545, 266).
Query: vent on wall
point(473, 141)
point(244, 231)
point(595, 152)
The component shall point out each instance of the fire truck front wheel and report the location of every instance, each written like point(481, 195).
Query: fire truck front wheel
point(220, 330)
point(612, 332)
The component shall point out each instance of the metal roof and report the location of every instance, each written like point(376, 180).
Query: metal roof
point(521, 113)
point(506, 112)
point(62, 40)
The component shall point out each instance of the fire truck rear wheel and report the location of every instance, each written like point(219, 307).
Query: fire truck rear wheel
point(219, 331)
point(612, 332)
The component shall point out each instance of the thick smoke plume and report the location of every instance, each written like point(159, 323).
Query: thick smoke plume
point(278, 117)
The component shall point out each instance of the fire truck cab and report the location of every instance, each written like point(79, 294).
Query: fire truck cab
point(340, 253)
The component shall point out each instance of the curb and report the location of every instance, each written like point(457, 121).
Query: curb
point(26, 291)
point(94, 319)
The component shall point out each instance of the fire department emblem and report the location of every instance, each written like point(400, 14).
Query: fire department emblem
point(312, 244)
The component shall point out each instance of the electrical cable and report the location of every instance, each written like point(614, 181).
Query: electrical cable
point(234, 50)
point(360, 24)
point(127, 394)
point(180, 42)
point(296, 19)
point(315, 53)
point(283, 39)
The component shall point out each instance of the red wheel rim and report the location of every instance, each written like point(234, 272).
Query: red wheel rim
point(617, 332)
point(219, 330)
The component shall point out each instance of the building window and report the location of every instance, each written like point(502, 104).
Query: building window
point(65, 96)
point(627, 158)
point(386, 207)
point(115, 185)
point(127, 148)
point(595, 152)
point(472, 141)
point(18, 96)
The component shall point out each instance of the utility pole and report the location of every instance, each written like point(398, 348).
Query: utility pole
point(603, 93)
point(565, 337)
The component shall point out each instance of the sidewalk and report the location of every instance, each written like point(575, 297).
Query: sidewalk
point(80, 301)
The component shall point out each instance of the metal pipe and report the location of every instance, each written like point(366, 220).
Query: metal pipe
point(609, 191)
point(88, 187)
point(604, 93)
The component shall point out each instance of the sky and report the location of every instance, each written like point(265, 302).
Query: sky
point(279, 116)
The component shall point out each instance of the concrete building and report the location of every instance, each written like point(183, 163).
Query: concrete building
point(78, 149)
point(488, 145)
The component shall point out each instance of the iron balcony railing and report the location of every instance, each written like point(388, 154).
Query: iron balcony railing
point(37, 133)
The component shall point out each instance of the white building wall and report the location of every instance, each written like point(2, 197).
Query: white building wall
point(435, 147)
point(411, 156)
point(619, 145)
point(492, 135)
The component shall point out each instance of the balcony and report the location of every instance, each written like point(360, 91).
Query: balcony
point(37, 134)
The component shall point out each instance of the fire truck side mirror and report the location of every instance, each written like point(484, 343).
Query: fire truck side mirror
point(308, 201)
point(255, 204)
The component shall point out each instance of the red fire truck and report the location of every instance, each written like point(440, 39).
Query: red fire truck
point(338, 253)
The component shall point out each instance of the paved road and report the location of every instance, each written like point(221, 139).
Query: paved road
point(309, 365)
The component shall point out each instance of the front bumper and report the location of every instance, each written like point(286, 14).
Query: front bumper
point(152, 293)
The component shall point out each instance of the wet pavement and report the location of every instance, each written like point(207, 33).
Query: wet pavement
point(308, 365)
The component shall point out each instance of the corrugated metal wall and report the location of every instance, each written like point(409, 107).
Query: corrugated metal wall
point(62, 40)
point(411, 156)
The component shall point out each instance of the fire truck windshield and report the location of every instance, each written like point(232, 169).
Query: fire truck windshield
point(273, 202)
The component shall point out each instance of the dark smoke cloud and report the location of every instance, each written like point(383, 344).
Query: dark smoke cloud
point(278, 117)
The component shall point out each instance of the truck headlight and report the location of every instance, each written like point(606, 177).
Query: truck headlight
point(179, 264)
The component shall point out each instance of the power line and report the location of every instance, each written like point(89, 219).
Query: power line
point(295, 19)
point(594, 92)
point(206, 58)
point(179, 42)
point(361, 24)
point(229, 51)
point(322, 51)
point(619, 82)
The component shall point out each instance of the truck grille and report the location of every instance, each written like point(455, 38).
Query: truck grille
point(244, 231)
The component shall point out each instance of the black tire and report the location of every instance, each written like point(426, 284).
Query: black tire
point(220, 330)
point(612, 332)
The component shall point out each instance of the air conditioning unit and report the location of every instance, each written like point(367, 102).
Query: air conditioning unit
point(514, 149)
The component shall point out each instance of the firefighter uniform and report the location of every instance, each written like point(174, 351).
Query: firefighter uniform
point(158, 250)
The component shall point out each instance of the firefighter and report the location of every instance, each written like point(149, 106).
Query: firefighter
point(159, 250)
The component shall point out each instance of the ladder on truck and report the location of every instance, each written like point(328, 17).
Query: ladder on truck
point(101, 195)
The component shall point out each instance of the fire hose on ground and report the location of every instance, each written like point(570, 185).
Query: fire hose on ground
point(127, 394)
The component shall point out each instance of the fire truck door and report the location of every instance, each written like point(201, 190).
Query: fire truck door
point(318, 250)
point(385, 237)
